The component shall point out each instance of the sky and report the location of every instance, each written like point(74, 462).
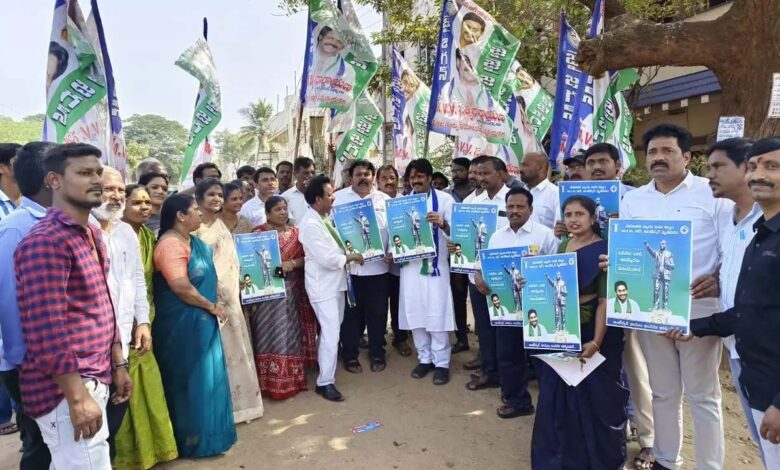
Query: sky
point(257, 50)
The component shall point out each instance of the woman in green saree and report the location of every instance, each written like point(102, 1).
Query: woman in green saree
point(146, 435)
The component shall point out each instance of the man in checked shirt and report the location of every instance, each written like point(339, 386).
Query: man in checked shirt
point(68, 325)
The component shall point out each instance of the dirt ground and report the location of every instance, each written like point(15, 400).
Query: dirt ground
point(423, 427)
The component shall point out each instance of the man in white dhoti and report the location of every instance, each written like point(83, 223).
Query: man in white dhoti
point(426, 299)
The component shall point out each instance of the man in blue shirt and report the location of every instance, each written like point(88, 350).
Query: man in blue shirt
point(29, 173)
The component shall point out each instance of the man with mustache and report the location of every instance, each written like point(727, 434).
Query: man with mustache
point(518, 229)
point(426, 303)
point(534, 171)
point(303, 170)
point(68, 324)
point(126, 282)
point(36, 198)
point(727, 171)
point(284, 173)
point(575, 167)
point(675, 193)
point(370, 281)
point(387, 182)
point(754, 319)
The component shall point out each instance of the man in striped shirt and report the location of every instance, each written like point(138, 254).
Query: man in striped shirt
point(10, 196)
point(68, 324)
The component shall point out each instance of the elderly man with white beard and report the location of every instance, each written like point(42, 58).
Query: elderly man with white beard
point(126, 283)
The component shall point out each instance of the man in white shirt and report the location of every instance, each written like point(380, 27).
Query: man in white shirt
point(10, 195)
point(387, 182)
point(534, 170)
point(676, 194)
point(426, 298)
point(535, 329)
point(303, 170)
point(265, 186)
point(325, 279)
point(622, 304)
point(369, 281)
point(727, 171)
point(126, 282)
point(511, 362)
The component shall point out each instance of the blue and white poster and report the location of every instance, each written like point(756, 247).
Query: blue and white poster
point(357, 226)
point(649, 277)
point(551, 302)
point(410, 235)
point(605, 194)
point(410, 98)
point(471, 228)
point(260, 262)
point(501, 272)
point(566, 89)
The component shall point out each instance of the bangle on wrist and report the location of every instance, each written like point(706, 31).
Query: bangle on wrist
point(597, 345)
point(120, 365)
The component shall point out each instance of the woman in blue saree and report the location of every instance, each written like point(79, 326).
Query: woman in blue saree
point(583, 427)
point(186, 331)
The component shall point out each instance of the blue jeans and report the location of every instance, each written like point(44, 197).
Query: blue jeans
point(736, 369)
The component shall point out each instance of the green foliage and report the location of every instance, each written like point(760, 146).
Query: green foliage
point(254, 134)
point(636, 176)
point(20, 132)
point(150, 135)
point(699, 164)
point(231, 149)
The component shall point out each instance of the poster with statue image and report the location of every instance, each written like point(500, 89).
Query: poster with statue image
point(410, 235)
point(471, 228)
point(501, 272)
point(261, 265)
point(357, 226)
point(649, 277)
point(551, 302)
point(604, 194)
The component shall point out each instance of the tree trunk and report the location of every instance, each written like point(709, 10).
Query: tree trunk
point(742, 48)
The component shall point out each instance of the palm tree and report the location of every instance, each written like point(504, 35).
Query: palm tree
point(255, 132)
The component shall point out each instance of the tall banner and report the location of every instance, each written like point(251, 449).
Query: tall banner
point(411, 99)
point(473, 56)
point(566, 88)
point(116, 154)
point(613, 120)
point(535, 101)
point(357, 130)
point(339, 61)
point(75, 84)
point(198, 62)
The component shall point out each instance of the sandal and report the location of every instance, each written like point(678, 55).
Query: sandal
point(481, 383)
point(8, 428)
point(378, 365)
point(644, 459)
point(353, 366)
point(403, 349)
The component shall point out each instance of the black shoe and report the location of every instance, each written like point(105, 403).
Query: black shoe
point(509, 411)
point(329, 392)
point(460, 346)
point(422, 370)
point(658, 466)
point(441, 376)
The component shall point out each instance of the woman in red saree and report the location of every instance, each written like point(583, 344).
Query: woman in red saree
point(284, 331)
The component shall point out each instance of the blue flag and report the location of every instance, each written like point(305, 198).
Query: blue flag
point(566, 91)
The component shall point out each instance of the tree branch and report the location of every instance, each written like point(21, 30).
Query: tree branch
point(611, 9)
point(639, 43)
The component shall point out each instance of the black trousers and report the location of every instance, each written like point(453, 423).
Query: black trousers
point(371, 293)
point(35, 453)
point(512, 366)
point(114, 416)
point(394, 290)
point(486, 333)
point(460, 289)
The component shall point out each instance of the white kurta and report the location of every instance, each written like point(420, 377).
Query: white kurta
point(426, 301)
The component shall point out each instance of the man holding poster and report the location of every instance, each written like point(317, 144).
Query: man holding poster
point(370, 280)
point(426, 299)
point(676, 194)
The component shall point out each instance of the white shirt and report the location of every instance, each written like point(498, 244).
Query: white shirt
point(623, 306)
point(254, 211)
point(498, 200)
point(378, 199)
point(539, 239)
point(126, 282)
point(733, 243)
point(296, 204)
point(6, 205)
point(324, 272)
point(547, 207)
point(691, 200)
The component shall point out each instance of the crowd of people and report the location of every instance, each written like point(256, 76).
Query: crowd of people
point(125, 342)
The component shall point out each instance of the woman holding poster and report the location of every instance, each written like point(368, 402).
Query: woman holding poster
point(244, 390)
point(584, 426)
point(284, 330)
